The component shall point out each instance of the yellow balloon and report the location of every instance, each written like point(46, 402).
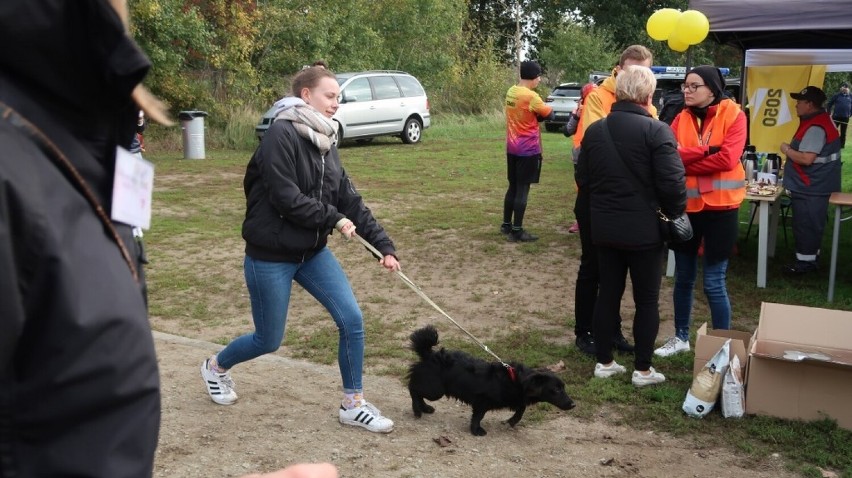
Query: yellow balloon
point(661, 23)
point(692, 27)
point(677, 44)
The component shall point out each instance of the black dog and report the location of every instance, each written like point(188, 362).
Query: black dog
point(482, 385)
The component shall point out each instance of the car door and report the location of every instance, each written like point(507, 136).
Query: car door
point(388, 107)
point(357, 109)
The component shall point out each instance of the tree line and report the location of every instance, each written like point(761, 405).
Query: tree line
point(225, 55)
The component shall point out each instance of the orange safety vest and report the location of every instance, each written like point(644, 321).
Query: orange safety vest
point(724, 188)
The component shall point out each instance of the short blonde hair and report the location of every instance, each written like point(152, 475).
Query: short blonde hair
point(637, 53)
point(635, 84)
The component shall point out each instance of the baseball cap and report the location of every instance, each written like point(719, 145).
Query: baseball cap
point(812, 94)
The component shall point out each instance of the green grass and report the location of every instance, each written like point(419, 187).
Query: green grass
point(453, 183)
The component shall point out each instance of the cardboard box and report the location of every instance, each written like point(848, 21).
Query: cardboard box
point(708, 342)
point(800, 364)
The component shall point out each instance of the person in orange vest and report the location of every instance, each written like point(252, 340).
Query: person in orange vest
point(596, 106)
point(811, 174)
point(711, 136)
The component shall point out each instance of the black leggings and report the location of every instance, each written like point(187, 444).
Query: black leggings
point(522, 171)
point(515, 203)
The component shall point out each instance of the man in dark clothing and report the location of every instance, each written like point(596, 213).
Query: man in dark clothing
point(80, 393)
point(840, 109)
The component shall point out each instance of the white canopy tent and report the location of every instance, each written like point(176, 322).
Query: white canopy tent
point(835, 60)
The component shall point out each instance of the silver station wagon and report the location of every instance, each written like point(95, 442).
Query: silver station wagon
point(376, 103)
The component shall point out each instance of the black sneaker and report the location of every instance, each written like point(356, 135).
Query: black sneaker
point(505, 229)
point(621, 344)
point(586, 343)
point(521, 236)
point(801, 267)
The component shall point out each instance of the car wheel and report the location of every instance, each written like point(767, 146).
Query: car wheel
point(412, 131)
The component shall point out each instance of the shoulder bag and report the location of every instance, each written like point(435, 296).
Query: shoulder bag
point(673, 229)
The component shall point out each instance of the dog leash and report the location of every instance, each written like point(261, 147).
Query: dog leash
point(419, 291)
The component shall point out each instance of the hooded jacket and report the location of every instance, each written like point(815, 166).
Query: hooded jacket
point(80, 393)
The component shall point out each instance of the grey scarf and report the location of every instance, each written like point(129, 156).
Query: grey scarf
point(309, 123)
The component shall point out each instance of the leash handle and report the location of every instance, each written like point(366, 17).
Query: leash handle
point(416, 289)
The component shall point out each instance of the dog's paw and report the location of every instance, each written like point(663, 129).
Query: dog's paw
point(478, 431)
point(428, 409)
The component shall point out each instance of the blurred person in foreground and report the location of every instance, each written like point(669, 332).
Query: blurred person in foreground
point(524, 111)
point(297, 193)
point(811, 173)
point(80, 394)
point(597, 106)
point(626, 150)
point(711, 135)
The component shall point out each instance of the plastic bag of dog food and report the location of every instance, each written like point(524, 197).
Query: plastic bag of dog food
point(707, 384)
point(733, 398)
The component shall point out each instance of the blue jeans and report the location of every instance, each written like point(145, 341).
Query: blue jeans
point(270, 284)
point(715, 274)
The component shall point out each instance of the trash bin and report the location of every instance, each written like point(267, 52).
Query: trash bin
point(192, 124)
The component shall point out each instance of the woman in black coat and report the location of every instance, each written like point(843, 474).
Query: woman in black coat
point(630, 165)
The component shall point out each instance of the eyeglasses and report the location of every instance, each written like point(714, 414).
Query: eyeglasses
point(691, 87)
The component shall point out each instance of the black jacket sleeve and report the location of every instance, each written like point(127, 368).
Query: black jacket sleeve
point(669, 176)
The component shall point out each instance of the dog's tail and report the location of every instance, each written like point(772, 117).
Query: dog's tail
point(422, 341)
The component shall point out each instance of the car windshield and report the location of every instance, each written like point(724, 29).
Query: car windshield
point(566, 92)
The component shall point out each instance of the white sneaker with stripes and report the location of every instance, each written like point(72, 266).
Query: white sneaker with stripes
point(220, 386)
point(366, 416)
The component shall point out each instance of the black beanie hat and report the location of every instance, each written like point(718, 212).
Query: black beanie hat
point(530, 70)
point(713, 79)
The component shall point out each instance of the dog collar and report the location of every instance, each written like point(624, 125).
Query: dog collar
point(511, 371)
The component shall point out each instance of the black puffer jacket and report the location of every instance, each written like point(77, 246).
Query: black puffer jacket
point(621, 215)
point(295, 196)
point(79, 387)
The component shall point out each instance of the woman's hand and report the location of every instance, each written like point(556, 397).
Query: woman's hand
point(345, 227)
point(390, 263)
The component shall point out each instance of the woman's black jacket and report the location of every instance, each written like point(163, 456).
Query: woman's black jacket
point(622, 216)
point(295, 196)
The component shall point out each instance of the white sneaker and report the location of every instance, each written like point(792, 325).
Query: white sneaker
point(366, 416)
point(220, 386)
point(653, 378)
point(673, 346)
point(604, 371)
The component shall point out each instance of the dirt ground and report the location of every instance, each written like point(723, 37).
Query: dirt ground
point(287, 408)
point(287, 414)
